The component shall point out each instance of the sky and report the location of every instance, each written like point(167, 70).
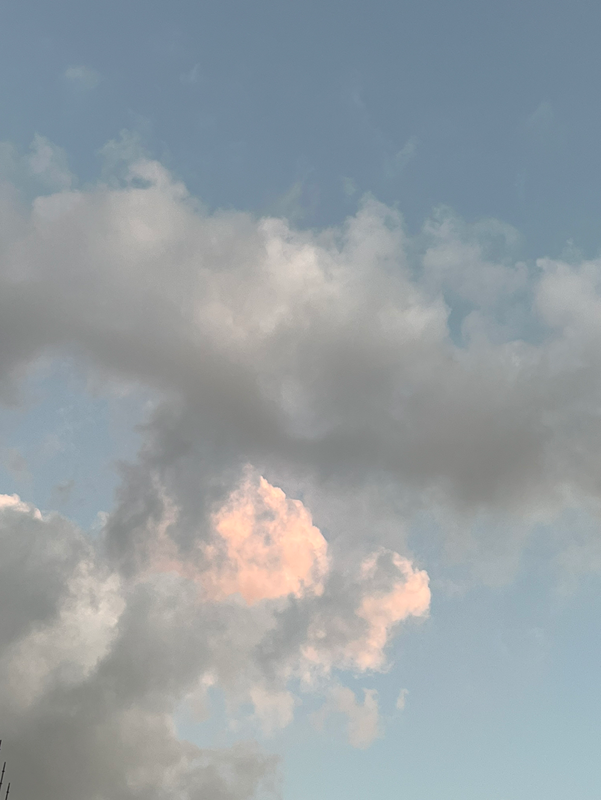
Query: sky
point(300, 391)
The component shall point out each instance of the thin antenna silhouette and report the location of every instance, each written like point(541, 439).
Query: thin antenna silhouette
point(2, 777)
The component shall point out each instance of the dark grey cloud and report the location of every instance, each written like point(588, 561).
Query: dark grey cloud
point(321, 350)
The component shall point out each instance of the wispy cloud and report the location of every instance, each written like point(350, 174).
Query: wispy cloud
point(541, 119)
point(82, 78)
point(362, 718)
point(193, 76)
point(406, 153)
point(48, 164)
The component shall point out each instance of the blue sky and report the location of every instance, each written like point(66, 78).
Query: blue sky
point(493, 107)
point(300, 383)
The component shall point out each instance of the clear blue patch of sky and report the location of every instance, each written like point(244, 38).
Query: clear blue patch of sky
point(60, 446)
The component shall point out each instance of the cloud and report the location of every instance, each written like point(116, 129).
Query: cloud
point(274, 709)
point(408, 595)
point(48, 164)
point(313, 614)
point(192, 77)
point(269, 546)
point(312, 392)
point(323, 355)
point(402, 699)
point(97, 662)
point(349, 187)
point(263, 546)
point(402, 157)
point(44, 169)
point(88, 682)
point(362, 719)
point(82, 78)
point(350, 626)
point(541, 119)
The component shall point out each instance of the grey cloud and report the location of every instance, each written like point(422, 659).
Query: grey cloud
point(322, 351)
point(91, 670)
point(94, 663)
point(363, 723)
point(324, 359)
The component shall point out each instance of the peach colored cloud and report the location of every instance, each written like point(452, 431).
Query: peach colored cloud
point(409, 597)
point(265, 546)
point(381, 610)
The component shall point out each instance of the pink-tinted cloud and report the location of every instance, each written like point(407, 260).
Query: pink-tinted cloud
point(265, 546)
point(409, 597)
point(384, 601)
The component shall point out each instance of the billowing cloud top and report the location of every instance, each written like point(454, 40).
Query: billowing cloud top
point(266, 547)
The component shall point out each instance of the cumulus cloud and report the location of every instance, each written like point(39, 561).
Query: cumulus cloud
point(328, 357)
point(351, 625)
point(323, 615)
point(312, 391)
point(91, 669)
point(263, 545)
point(270, 548)
point(94, 663)
point(321, 351)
